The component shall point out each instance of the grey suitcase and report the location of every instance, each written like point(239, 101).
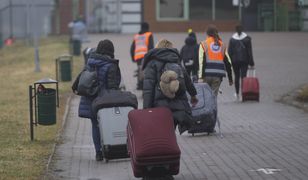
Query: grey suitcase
point(112, 114)
point(205, 112)
point(112, 124)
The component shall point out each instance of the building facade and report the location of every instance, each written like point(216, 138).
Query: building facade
point(255, 15)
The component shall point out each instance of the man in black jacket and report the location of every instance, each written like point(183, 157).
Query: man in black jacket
point(240, 52)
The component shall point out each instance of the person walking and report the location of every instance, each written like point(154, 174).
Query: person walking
point(156, 94)
point(142, 43)
point(212, 60)
point(78, 34)
point(240, 52)
point(190, 55)
point(109, 77)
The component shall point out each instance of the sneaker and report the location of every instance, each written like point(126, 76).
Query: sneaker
point(237, 97)
point(99, 156)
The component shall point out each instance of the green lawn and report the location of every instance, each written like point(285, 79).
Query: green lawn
point(21, 158)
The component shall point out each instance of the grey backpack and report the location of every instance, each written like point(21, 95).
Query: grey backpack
point(88, 83)
point(170, 68)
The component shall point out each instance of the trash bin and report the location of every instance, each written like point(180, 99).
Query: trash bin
point(76, 47)
point(65, 70)
point(46, 102)
point(64, 67)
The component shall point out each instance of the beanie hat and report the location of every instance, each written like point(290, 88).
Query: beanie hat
point(169, 84)
point(144, 26)
point(105, 47)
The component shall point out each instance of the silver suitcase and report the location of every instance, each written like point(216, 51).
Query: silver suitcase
point(112, 123)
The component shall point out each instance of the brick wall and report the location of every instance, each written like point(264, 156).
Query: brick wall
point(66, 15)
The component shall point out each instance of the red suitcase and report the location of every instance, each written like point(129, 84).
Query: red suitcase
point(152, 144)
point(250, 87)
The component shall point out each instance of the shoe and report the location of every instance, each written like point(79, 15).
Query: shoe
point(99, 156)
point(237, 97)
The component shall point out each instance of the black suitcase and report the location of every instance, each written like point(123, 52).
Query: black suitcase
point(205, 112)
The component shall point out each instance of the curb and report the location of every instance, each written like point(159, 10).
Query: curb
point(64, 118)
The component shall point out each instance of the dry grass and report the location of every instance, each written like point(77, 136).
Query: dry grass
point(303, 94)
point(21, 158)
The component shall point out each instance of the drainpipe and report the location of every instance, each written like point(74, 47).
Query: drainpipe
point(275, 15)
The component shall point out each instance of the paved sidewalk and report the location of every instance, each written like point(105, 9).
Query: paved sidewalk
point(265, 140)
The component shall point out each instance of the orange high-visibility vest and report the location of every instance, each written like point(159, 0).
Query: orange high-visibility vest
point(212, 51)
point(141, 45)
point(214, 65)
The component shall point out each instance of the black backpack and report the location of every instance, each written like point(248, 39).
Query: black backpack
point(87, 83)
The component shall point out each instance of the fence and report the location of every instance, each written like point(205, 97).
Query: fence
point(23, 18)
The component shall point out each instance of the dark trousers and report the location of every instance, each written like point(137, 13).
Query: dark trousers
point(140, 75)
point(240, 71)
point(96, 136)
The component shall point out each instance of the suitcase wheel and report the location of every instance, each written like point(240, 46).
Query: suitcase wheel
point(106, 153)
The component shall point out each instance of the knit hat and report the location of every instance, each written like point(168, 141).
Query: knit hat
point(105, 47)
point(169, 84)
point(145, 26)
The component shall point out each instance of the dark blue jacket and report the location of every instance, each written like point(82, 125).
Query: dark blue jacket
point(109, 77)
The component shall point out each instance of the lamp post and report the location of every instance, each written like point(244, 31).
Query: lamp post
point(11, 18)
point(35, 38)
point(240, 4)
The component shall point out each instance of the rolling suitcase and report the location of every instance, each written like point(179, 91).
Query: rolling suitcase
point(152, 144)
point(250, 87)
point(205, 112)
point(112, 116)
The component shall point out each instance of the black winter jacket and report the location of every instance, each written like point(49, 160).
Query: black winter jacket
point(109, 77)
point(154, 61)
point(240, 50)
point(191, 50)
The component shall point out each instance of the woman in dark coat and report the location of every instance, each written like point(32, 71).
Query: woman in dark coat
point(109, 77)
point(240, 52)
point(154, 61)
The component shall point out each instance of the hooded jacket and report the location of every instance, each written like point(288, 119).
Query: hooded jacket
point(191, 50)
point(109, 77)
point(240, 50)
point(154, 61)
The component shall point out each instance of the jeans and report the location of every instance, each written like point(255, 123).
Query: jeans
point(96, 135)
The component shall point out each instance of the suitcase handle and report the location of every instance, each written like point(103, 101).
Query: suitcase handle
point(251, 70)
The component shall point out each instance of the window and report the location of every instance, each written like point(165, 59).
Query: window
point(171, 9)
point(225, 10)
point(200, 9)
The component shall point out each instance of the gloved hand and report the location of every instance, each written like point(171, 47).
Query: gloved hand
point(194, 101)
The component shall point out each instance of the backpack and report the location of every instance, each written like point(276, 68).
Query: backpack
point(171, 80)
point(88, 83)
